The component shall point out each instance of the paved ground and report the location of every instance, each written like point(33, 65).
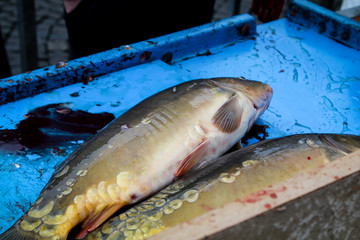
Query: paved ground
point(51, 31)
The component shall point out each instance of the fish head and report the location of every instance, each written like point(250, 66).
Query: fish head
point(258, 93)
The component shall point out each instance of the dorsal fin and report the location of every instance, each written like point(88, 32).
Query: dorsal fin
point(228, 117)
point(192, 158)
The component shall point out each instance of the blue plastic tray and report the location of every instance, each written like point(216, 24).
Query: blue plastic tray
point(311, 59)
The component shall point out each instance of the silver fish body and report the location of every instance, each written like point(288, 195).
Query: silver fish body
point(141, 152)
point(231, 177)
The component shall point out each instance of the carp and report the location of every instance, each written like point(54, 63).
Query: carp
point(158, 140)
point(236, 175)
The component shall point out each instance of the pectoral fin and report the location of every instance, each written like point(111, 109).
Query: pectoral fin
point(228, 117)
point(192, 158)
point(93, 222)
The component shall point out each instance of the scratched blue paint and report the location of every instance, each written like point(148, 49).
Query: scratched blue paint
point(181, 44)
point(325, 22)
point(316, 83)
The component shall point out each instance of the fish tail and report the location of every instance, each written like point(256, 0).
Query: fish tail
point(13, 233)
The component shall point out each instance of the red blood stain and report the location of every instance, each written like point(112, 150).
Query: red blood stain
point(258, 196)
point(268, 206)
point(308, 158)
point(273, 195)
point(282, 70)
point(336, 177)
point(206, 207)
point(250, 200)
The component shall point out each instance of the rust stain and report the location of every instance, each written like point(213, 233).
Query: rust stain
point(245, 29)
point(145, 56)
point(60, 65)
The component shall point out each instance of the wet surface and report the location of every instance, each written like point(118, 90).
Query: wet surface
point(51, 125)
point(316, 84)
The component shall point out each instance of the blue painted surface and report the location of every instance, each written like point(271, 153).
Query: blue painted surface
point(183, 44)
point(316, 83)
point(326, 22)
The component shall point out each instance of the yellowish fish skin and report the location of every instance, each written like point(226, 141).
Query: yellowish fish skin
point(234, 176)
point(142, 151)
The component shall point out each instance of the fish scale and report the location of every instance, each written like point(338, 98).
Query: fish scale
point(139, 153)
point(238, 176)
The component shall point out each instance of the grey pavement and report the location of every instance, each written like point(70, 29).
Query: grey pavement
point(52, 38)
point(51, 32)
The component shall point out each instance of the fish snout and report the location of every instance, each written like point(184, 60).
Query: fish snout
point(268, 95)
point(269, 89)
point(262, 101)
